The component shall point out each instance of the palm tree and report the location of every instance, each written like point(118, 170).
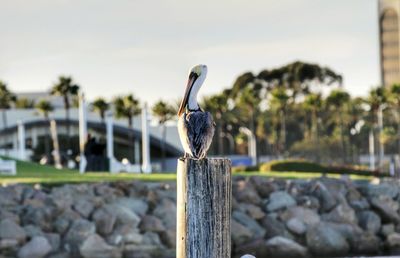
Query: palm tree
point(67, 89)
point(313, 104)
point(337, 102)
point(6, 98)
point(164, 112)
point(45, 107)
point(127, 107)
point(376, 99)
point(280, 100)
point(394, 101)
point(217, 105)
point(100, 106)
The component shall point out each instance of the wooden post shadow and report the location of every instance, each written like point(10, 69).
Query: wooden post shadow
point(204, 192)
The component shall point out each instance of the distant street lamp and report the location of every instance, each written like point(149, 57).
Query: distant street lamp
point(252, 144)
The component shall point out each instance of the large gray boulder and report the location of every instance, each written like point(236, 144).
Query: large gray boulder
point(244, 191)
point(342, 213)
point(274, 227)
point(105, 220)
point(249, 223)
point(10, 230)
point(279, 200)
point(84, 207)
point(369, 221)
point(307, 216)
point(79, 231)
point(95, 247)
point(38, 247)
point(240, 234)
point(282, 247)
point(166, 211)
point(123, 214)
point(151, 223)
point(323, 240)
point(386, 209)
point(326, 198)
point(296, 226)
point(137, 205)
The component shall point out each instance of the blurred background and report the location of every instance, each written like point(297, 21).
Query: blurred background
point(308, 80)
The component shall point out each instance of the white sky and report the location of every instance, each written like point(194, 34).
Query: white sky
point(147, 47)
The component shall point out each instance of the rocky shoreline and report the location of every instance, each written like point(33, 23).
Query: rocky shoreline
point(270, 218)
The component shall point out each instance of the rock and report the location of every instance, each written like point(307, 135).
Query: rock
point(243, 191)
point(125, 234)
point(168, 238)
point(39, 216)
point(393, 241)
point(360, 205)
point(151, 223)
point(123, 214)
point(38, 247)
point(369, 221)
point(61, 225)
point(95, 247)
point(279, 200)
point(151, 238)
point(386, 210)
point(308, 201)
point(249, 223)
point(84, 207)
point(326, 198)
point(283, 247)
point(240, 234)
point(54, 240)
point(61, 254)
point(274, 227)
point(138, 206)
point(79, 231)
point(247, 256)
point(349, 231)
point(372, 190)
point(147, 251)
point(307, 216)
point(341, 214)
point(8, 244)
point(264, 186)
point(32, 231)
point(323, 240)
point(10, 230)
point(296, 226)
point(104, 220)
point(4, 214)
point(253, 211)
point(256, 248)
point(166, 211)
point(387, 229)
point(365, 243)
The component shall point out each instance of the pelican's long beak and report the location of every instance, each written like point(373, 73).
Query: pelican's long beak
point(191, 80)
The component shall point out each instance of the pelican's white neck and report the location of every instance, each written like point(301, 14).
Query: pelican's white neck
point(192, 101)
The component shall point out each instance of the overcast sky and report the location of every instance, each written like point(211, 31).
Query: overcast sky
point(147, 47)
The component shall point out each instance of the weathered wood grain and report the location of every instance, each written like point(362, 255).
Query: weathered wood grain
point(204, 190)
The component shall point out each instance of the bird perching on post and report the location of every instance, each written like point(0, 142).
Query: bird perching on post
point(195, 126)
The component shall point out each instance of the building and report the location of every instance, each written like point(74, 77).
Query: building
point(389, 22)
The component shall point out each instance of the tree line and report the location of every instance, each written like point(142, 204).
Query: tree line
point(297, 110)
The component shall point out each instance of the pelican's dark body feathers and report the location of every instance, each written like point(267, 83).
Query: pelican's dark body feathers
point(196, 130)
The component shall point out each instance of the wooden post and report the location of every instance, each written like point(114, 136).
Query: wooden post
point(204, 190)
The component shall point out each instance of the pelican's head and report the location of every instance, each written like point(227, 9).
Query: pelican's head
point(197, 76)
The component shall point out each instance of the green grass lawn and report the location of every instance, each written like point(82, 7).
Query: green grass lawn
point(31, 173)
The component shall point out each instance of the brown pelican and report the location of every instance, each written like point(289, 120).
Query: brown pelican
point(195, 127)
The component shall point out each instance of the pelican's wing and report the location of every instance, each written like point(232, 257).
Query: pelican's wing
point(200, 131)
